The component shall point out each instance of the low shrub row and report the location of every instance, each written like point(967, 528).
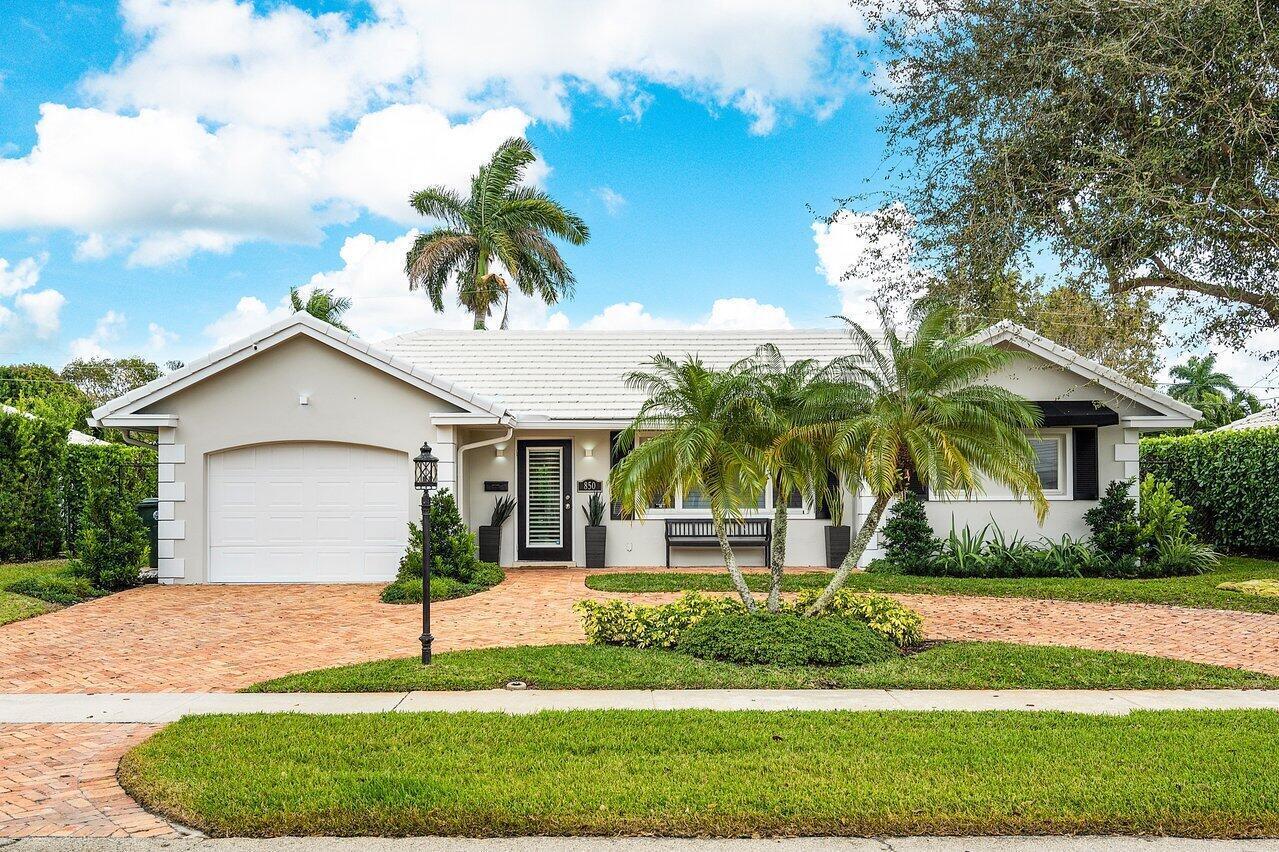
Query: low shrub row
point(1157, 542)
point(63, 591)
point(857, 628)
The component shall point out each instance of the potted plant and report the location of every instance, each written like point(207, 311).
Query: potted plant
point(838, 535)
point(491, 535)
point(596, 532)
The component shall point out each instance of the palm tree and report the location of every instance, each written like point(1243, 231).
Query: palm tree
point(1218, 410)
point(927, 413)
point(786, 398)
point(501, 222)
point(1199, 377)
point(694, 417)
point(322, 305)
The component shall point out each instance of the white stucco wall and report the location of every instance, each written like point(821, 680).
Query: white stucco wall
point(257, 402)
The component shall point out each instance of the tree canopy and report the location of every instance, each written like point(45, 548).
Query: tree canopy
point(1133, 139)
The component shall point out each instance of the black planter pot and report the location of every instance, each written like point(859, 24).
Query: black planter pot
point(491, 544)
point(595, 540)
point(838, 540)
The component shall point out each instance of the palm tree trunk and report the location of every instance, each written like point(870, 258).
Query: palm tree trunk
point(506, 309)
point(481, 298)
point(855, 552)
point(777, 559)
point(730, 562)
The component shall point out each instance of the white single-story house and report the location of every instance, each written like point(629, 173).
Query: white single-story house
point(285, 457)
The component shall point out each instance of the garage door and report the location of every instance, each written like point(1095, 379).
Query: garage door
point(307, 513)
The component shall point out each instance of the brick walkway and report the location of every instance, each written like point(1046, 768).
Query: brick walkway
point(59, 781)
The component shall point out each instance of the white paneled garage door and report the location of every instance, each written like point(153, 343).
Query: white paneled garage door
point(307, 513)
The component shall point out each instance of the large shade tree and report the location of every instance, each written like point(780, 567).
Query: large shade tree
point(926, 412)
point(691, 435)
point(500, 231)
point(1134, 140)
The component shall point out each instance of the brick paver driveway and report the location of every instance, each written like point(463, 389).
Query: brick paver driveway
point(59, 779)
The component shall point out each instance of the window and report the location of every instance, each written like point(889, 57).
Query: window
point(696, 500)
point(1050, 462)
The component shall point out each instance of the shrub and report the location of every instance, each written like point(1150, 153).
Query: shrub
point(1068, 557)
point(409, 590)
point(113, 541)
point(1264, 588)
point(453, 547)
point(887, 616)
point(1183, 555)
point(909, 541)
point(785, 640)
point(1116, 533)
point(963, 554)
point(64, 591)
point(1230, 478)
point(619, 622)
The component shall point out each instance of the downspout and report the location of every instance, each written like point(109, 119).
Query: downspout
point(488, 442)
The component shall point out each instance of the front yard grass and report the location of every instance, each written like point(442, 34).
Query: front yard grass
point(15, 607)
point(1200, 591)
point(691, 773)
point(953, 665)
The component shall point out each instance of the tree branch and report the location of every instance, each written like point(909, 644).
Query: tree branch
point(1173, 280)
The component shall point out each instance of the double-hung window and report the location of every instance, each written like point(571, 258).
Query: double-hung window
point(1050, 448)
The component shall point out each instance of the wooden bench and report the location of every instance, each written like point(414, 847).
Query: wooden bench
point(700, 532)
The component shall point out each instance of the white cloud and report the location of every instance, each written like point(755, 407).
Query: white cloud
point(32, 312)
point(106, 330)
point(249, 315)
point(735, 313)
point(23, 275)
point(283, 68)
point(159, 338)
point(857, 261)
point(43, 310)
point(612, 199)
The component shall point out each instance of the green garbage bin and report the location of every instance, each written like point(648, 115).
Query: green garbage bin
point(148, 510)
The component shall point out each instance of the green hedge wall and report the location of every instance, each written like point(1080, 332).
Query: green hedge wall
point(31, 463)
point(1230, 478)
point(128, 472)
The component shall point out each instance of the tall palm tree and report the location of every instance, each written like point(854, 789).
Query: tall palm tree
point(322, 305)
point(785, 399)
point(693, 420)
point(1199, 377)
point(927, 412)
point(500, 222)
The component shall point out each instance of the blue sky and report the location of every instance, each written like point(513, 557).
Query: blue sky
point(192, 162)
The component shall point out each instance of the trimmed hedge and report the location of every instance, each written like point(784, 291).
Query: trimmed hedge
point(1231, 479)
point(785, 640)
point(129, 471)
point(31, 464)
point(63, 591)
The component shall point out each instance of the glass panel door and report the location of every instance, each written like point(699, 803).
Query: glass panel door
point(544, 500)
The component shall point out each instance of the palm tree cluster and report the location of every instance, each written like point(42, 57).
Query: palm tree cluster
point(322, 305)
point(501, 225)
point(1198, 382)
point(897, 408)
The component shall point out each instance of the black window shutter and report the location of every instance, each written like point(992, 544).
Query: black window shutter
point(1086, 475)
point(615, 456)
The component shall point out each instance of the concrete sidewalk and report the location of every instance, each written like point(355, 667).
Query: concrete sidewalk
point(168, 707)
point(650, 844)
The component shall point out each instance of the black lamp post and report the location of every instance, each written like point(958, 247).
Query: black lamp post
point(426, 475)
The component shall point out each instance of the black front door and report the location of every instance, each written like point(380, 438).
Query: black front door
point(546, 501)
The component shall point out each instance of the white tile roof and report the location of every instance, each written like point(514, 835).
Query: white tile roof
point(1261, 420)
point(580, 375)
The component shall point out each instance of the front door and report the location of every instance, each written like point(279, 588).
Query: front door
point(546, 501)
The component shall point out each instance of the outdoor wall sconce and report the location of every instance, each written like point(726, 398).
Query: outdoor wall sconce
point(588, 451)
point(499, 451)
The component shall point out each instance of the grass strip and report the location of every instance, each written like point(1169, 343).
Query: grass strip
point(690, 773)
point(953, 665)
point(1199, 591)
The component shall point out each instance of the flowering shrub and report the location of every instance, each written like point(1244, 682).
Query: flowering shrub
point(888, 617)
point(619, 622)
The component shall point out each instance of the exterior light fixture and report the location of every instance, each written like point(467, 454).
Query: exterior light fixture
point(426, 476)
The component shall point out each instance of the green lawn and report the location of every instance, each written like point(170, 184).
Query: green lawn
point(1197, 591)
point(954, 665)
point(1195, 773)
point(17, 607)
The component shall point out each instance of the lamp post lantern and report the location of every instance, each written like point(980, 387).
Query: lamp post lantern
point(426, 475)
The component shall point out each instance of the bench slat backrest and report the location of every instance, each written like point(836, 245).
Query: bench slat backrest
point(705, 528)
